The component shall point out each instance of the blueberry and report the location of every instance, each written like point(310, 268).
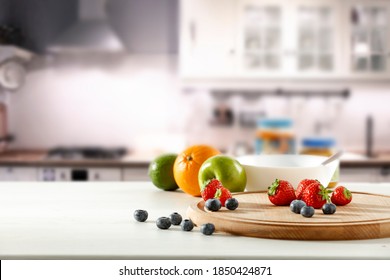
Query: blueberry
point(213, 204)
point(175, 218)
point(207, 229)
point(140, 215)
point(296, 206)
point(163, 223)
point(328, 208)
point(187, 225)
point(231, 203)
point(307, 211)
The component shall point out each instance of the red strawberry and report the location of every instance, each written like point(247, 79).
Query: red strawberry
point(208, 190)
point(315, 195)
point(341, 196)
point(302, 186)
point(223, 194)
point(281, 193)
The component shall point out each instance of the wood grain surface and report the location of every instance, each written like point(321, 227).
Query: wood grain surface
point(366, 217)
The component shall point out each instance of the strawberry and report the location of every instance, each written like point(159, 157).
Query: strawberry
point(281, 193)
point(223, 194)
point(302, 186)
point(341, 196)
point(315, 195)
point(208, 191)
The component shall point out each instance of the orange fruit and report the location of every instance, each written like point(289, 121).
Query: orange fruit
point(187, 165)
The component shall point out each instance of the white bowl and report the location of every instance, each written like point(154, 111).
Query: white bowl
point(262, 170)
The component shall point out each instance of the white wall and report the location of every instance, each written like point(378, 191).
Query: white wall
point(136, 101)
point(132, 102)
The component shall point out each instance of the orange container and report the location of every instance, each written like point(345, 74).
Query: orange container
point(275, 136)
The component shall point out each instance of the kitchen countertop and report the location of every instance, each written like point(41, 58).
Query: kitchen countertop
point(142, 160)
point(378, 161)
point(37, 158)
point(94, 221)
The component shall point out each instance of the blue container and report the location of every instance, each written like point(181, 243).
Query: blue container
point(318, 143)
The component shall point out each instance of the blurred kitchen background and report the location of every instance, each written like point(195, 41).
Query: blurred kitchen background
point(95, 89)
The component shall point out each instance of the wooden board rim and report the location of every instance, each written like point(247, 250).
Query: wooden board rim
point(198, 210)
point(197, 207)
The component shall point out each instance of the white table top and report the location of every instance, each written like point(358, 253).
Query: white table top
point(95, 221)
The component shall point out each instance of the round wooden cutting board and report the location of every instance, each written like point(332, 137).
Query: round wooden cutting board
point(366, 217)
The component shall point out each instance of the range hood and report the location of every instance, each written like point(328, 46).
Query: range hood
point(91, 33)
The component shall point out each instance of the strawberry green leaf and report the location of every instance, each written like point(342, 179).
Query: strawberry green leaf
point(202, 187)
point(347, 193)
point(324, 193)
point(218, 194)
point(273, 188)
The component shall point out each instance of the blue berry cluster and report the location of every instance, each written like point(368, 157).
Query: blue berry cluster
point(299, 207)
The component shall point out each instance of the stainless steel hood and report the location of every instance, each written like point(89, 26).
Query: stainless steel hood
point(91, 33)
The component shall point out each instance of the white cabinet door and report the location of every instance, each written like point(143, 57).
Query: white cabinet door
point(59, 174)
point(285, 39)
point(384, 174)
point(136, 174)
point(316, 38)
point(352, 175)
point(367, 38)
point(105, 174)
point(18, 174)
point(261, 37)
point(361, 174)
point(207, 38)
point(289, 38)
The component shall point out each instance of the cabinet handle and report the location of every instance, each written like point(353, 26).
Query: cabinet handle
point(192, 30)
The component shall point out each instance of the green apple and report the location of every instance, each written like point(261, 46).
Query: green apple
point(225, 169)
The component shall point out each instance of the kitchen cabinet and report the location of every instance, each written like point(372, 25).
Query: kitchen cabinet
point(295, 38)
point(358, 175)
point(367, 38)
point(259, 38)
point(261, 29)
point(136, 174)
point(54, 174)
point(80, 174)
point(11, 173)
point(105, 174)
point(384, 174)
point(285, 39)
point(366, 174)
point(207, 38)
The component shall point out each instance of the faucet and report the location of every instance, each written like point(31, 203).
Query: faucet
point(369, 136)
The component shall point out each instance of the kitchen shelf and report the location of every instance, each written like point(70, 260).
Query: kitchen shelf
point(280, 92)
point(8, 52)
